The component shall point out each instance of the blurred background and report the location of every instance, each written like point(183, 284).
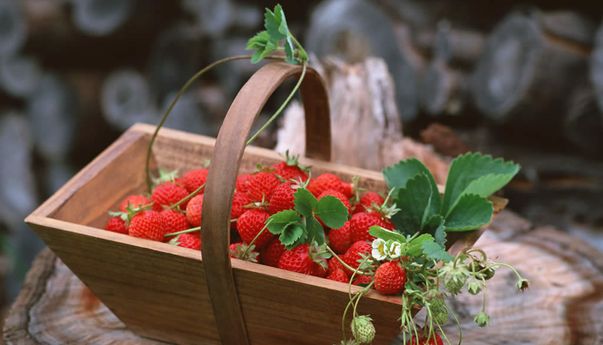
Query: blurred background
point(519, 79)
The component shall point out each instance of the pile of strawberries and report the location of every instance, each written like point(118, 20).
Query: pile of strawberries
point(172, 213)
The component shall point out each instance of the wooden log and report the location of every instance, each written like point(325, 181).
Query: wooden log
point(126, 99)
point(526, 72)
point(566, 277)
point(464, 47)
point(583, 124)
point(596, 67)
point(19, 75)
point(101, 17)
point(213, 17)
point(13, 31)
point(354, 30)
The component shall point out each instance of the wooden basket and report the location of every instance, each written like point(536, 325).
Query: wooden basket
point(169, 293)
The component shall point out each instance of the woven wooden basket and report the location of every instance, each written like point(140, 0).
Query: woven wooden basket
point(170, 293)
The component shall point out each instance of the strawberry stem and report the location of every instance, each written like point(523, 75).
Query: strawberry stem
point(171, 234)
point(187, 198)
point(355, 271)
point(254, 239)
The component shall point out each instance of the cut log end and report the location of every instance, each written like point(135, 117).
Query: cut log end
point(101, 17)
point(125, 98)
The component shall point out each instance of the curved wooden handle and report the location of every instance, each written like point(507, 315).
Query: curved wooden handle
point(220, 184)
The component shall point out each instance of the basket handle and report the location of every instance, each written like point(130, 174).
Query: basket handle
point(220, 184)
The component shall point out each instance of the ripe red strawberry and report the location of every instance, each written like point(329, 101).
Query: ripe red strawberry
point(147, 224)
point(242, 181)
point(133, 201)
point(334, 265)
point(338, 275)
point(390, 278)
point(174, 221)
point(367, 200)
point(260, 186)
point(282, 198)
point(194, 179)
point(250, 223)
point(194, 209)
point(361, 223)
point(328, 181)
point(339, 196)
point(362, 280)
point(169, 193)
point(354, 253)
point(192, 241)
point(242, 251)
point(272, 253)
point(340, 239)
point(319, 270)
point(422, 341)
point(239, 200)
point(290, 169)
point(116, 224)
point(297, 260)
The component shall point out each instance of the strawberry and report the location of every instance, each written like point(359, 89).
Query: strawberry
point(260, 186)
point(361, 223)
point(334, 265)
point(242, 251)
point(192, 241)
point(194, 179)
point(174, 220)
point(290, 169)
point(169, 193)
point(328, 181)
point(319, 270)
point(133, 201)
point(367, 201)
point(116, 224)
point(250, 223)
point(362, 280)
point(241, 184)
point(272, 253)
point(282, 198)
point(344, 200)
point(390, 278)
point(354, 253)
point(436, 340)
point(340, 239)
point(338, 275)
point(297, 260)
point(194, 210)
point(239, 200)
point(147, 224)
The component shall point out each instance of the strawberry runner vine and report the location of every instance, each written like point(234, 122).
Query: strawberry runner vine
point(395, 245)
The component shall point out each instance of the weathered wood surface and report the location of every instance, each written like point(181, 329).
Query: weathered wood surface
point(562, 306)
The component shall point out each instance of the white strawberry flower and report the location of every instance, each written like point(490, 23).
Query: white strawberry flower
point(379, 252)
point(394, 250)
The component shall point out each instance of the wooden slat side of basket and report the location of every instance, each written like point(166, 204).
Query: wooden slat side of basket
point(159, 290)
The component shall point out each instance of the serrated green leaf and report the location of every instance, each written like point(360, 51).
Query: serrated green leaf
point(331, 211)
point(386, 235)
point(291, 234)
point(315, 231)
point(414, 247)
point(259, 40)
point(440, 235)
point(434, 251)
point(277, 222)
point(417, 202)
point(304, 202)
point(290, 51)
point(275, 23)
point(469, 213)
point(474, 173)
point(397, 175)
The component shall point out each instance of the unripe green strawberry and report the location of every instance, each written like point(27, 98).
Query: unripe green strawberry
point(338, 275)
point(340, 239)
point(361, 223)
point(147, 224)
point(194, 210)
point(390, 278)
point(194, 179)
point(282, 198)
point(260, 186)
point(169, 193)
point(116, 224)
point(250, 223)
point(363, 329)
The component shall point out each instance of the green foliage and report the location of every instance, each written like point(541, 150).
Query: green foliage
point(331, 211)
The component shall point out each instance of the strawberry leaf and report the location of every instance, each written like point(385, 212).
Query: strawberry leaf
point(440, 234)
point(386, 235)
point(315, 231)
point(331, 211)
point(418, 202)
point(415, 245)
point(398, 175)
point(291, 234)
point(278, 222)
point(469, 213)
point(305, 202)
point(434, 251)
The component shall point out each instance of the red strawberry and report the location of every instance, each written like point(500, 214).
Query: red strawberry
point(147, 224)
point(174, 220)
point(340, 239)
point(437, 340)
point(328, 181)
point(250, 223)
point(169, 193)
point(354, 253)
point(260, 186)
point(242, 181)
point(192, 241)
point(282, 198)
point(116, 224)
point(239, 200)
point(194, 209)
point(338, 275)
point(319, 270)
point(361, 223)
point(367, 200)
point(390, 278)
point(297, 260)
point(272, 253)
point(242, 251)
point(290, 169)
point(194, 179)
point(362, 280)
point(133, 201)
point(339, 196)
point(334, 265)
